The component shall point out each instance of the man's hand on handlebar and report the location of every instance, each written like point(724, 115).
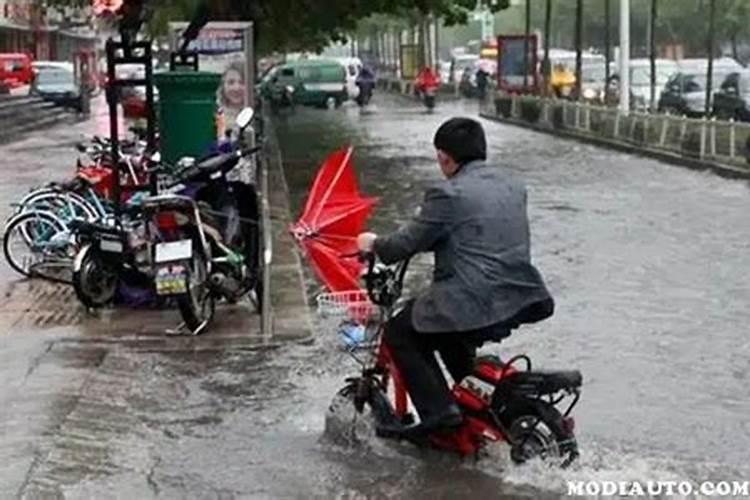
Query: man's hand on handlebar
point(366, 242)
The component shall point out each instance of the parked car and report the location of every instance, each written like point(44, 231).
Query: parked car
point(459, 65)
point(593, 82)
point(468, 84)
point(352, 65)
point(55, 82)
point(685, 91)
point(732, 100)
point(640, 81)
point(316, 82)
point(15, 70)
point(445, 71)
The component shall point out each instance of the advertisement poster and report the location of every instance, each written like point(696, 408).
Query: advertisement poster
point(409, 61)
point(510, 72)
point(225, 48)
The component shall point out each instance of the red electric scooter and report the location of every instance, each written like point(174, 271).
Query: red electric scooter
point(500, 401)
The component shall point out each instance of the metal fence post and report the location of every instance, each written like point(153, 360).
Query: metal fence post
point(683, 129)
point(617, 124)
point(664, 128)
point(713, 137)
point(703, 139)
point(732, 139)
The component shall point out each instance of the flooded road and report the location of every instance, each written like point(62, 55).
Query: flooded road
point(647, 263)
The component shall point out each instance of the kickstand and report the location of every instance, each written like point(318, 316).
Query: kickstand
point(182, 329)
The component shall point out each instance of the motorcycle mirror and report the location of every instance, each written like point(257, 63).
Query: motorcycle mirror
point(245, 117)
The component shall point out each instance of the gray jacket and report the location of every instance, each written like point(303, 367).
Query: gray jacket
point(476, 225)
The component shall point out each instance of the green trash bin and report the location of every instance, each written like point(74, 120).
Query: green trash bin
point(187, 113)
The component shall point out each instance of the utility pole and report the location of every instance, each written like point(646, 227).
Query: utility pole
point(625, 57)
point(607, 49)
point(652, 41)
point(526, 47)
point(579, 43)
point(710, 47)
point(547, 63)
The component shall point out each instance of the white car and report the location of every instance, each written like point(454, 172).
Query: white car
point(353, 66)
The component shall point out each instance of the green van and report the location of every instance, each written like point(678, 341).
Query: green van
point(316, 82)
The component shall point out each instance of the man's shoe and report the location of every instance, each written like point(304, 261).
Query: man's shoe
point(448, 420)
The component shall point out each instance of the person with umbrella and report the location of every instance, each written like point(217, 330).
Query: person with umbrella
point(484, 283)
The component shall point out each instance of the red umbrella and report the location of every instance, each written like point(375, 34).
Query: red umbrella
point(335, 213)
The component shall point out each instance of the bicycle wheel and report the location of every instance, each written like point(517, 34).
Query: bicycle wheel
point(64, 204)
point(35, 239)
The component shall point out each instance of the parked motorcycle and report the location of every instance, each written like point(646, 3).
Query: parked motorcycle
point(207, 245)
point(112, 250)
point(501, 402)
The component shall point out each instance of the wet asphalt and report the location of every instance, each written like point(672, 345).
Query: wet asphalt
point(647, 263)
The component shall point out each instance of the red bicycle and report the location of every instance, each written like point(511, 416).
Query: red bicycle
point(500, 402)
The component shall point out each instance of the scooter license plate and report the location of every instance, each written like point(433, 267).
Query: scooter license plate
point(110, 245)
point(173, 250)
point(171, 280)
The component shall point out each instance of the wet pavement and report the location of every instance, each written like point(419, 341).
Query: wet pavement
point(646, 262)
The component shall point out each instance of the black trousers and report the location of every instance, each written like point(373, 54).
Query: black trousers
point(414, 354)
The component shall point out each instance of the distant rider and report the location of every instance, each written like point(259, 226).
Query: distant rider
point(427, 79)
point(366, 82)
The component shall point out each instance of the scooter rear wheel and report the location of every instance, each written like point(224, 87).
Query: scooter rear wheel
point(198, 304)
point(95, 281)
point(532, 439)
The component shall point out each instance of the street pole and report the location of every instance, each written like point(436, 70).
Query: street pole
point(652, 41)
point(579, 43)
point(547, 62)
point(625, 57)
point(607, 49)
point(526, 47)
point(710, 47)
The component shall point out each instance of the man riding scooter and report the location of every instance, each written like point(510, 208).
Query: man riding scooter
point(484, 284)
point(366, 83)
point(426, 85)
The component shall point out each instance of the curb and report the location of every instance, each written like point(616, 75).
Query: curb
point(290, 308)
point(722, 170)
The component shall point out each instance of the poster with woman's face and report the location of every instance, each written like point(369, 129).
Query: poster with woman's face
point(232, 93)
point(222, 49)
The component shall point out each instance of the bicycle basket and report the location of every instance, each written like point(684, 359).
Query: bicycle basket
point(349, 315)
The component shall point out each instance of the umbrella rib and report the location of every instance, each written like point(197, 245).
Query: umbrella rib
point(340, 171)
point(359, 208)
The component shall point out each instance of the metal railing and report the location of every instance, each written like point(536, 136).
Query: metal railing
point(266, 254)
point(708, 139)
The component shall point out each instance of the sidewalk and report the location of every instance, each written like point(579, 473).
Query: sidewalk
point(33, 304)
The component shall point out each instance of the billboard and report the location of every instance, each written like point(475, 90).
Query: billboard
point(511, 75)
point(409, 61)
point(225, 48)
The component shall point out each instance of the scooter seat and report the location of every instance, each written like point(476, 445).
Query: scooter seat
point(544, 382)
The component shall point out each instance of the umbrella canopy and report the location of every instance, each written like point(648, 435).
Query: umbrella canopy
point(335, 213)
